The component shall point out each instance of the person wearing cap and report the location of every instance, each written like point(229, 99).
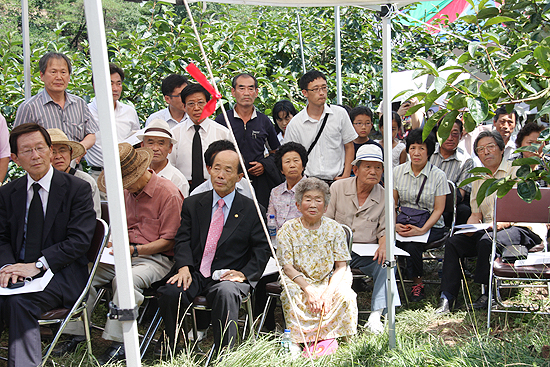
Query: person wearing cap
point(47, 221)
point(159, 138)
point(358, 202)
point(152, 205)
point(63, 151)
point(126, 119)
point(194, 135)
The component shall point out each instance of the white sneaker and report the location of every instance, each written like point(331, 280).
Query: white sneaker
point(201, 334)
point(375, 326)
point(295, 350)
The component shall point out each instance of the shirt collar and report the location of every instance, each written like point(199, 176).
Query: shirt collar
point(168, 116)
point(254, 114)
point(189, 123)
point(451, 157)
point(45, 182)
point(150, 187)
point(47, 98)
point(285, 189)
point(227, 199)
point(425, 171)
point(326, 110)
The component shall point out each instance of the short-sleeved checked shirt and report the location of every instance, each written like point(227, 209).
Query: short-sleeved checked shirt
point(408, 186)
point(457, 167)
point(74, 119)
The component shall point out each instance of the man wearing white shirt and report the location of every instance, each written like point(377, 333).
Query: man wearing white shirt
point(159, 138)
point(333, 153)
point(505, 124)
point(171, 89)
point(194, 135)
point(126, 119)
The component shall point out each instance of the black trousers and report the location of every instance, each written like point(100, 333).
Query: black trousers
point(415, 267)
point(20, 313)
point(478, 244)
point(224, 298)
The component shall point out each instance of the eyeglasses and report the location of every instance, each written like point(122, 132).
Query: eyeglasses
point(490, 148)
point(318, 89)
point(192, 105)
point(173, 95)
point(362, 124)
point(28, 152)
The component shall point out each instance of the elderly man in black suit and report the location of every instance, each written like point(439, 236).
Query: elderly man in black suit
point(220, 229)
point(47, 221)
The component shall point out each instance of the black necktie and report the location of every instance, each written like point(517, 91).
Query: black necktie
point(35, 225)
point(197, 170)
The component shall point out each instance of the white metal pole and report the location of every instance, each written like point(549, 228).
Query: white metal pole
point(388, 170)
point(338, 55)
point(301, 42)
point(113, 178)
point(26, 47)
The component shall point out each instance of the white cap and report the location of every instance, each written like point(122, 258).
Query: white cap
point(158, 128)
point(368, 152)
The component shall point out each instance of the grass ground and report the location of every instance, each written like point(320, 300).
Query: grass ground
point(423, 339)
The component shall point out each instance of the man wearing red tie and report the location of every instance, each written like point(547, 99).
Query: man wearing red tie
point(220, 229)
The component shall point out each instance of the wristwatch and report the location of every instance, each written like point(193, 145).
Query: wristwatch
point(39, 265)
point(135, 253)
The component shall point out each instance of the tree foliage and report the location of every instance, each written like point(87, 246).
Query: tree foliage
point(260, 40)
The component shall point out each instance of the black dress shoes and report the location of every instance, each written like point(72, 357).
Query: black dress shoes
point(67, 346)
point(481, 302)
point(113, 354)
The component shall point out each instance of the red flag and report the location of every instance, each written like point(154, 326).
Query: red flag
point(199, 76)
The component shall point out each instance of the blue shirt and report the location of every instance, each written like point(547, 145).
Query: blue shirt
point(228, 200)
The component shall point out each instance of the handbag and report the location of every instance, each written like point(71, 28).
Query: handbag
point(413, 216)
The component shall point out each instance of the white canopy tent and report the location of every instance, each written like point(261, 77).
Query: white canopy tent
point(100, 69)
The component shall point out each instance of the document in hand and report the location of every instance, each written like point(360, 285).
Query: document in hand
point(423, 238)
point(35, 285)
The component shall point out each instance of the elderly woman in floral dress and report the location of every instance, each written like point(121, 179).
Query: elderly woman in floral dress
point(313, 252)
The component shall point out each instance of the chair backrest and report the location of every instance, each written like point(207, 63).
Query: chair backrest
point(101, 229)
point(349, 236)
point(105, 212)
point(512, 208)
point(450, 203)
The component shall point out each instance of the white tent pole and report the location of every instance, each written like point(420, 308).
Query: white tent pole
point(338, 55)
point(301, 42)
point(388, 168)
point(26, 47)
point(113, 178)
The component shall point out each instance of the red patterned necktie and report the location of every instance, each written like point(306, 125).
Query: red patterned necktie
point(214, 233)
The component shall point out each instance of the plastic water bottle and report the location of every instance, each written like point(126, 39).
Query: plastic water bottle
point(286, 341)
point(272, 229)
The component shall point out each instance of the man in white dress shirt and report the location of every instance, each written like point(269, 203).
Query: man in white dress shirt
point(126, 118)
point(194, 135)
point(159, 138)
point(331, 156)
point(171, 89)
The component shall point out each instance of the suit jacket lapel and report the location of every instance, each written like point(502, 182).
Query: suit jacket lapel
point(233, 220)
point(204, 210)
point(19, 205)
point(58, 190)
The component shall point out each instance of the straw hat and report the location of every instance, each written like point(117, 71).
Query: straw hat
point(368, 152)
point(133, 163)
point(158, 128)
point(59, 137)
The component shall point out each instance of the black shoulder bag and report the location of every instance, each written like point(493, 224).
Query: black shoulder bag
point(413, 216)
point(318, 134)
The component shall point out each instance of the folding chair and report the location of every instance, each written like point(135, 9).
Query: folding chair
point(450, 207)
point(78, 312)
point(511, 208)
